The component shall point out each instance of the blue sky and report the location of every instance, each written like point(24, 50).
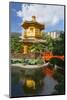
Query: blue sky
point(15, 21)
point(52, 19)
point(57, 27)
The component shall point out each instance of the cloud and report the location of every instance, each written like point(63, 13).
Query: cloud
point(55, 20)
point(19, 13)
point(47, 14)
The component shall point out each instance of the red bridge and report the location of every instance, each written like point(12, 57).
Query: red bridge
point(48, 55)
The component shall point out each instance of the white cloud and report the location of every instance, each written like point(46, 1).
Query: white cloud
point(19, 13)
point(55, 20)
point(47, 14)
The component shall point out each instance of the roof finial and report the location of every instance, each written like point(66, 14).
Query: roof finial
point(34, 18)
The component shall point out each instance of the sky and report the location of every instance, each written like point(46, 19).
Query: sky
point(52, 16)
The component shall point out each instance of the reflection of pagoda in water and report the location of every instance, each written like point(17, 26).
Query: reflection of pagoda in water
point(32, 33)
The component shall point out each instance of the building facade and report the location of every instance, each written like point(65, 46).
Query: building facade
point(32, 33)
point(54, 35)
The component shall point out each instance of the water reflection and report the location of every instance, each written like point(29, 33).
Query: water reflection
point(48, 88)
point(19, 89)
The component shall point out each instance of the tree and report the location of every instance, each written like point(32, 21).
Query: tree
point(54, 45)
point(58, 45)
point(49, 43)
point(16, 45)
point(37, 49)
point(58, 62)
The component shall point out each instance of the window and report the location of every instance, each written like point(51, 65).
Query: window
point(31, 29)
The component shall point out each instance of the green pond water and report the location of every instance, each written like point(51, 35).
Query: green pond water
point(18, 89)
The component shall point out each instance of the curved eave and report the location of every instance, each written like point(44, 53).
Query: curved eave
point(26, 24)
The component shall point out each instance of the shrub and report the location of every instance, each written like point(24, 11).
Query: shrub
point(33, 61)
point(16, 61)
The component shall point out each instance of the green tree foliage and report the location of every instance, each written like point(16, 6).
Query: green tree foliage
point(49, 43)
point(57, 61)
point(16, 45)
point(37, 47)
point(54, 45)
point(58, 45)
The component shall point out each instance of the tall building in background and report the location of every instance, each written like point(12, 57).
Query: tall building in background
point(54, 34)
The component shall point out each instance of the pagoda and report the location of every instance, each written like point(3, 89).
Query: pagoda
point(32, 36)
point(32, 33)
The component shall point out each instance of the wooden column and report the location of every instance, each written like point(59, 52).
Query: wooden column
point(25, 49)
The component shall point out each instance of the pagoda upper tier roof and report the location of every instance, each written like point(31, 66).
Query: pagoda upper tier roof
point(36, 24)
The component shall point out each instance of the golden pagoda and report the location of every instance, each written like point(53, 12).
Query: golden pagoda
point(32, 33)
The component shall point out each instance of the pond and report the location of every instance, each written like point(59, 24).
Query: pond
point(18, 89)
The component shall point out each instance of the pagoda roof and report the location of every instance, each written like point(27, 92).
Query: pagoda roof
point(26, 24)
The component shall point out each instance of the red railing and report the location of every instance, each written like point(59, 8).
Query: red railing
point(48, 55)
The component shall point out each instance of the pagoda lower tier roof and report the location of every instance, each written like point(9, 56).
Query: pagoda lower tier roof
point(33, 41)
point(26, 24)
